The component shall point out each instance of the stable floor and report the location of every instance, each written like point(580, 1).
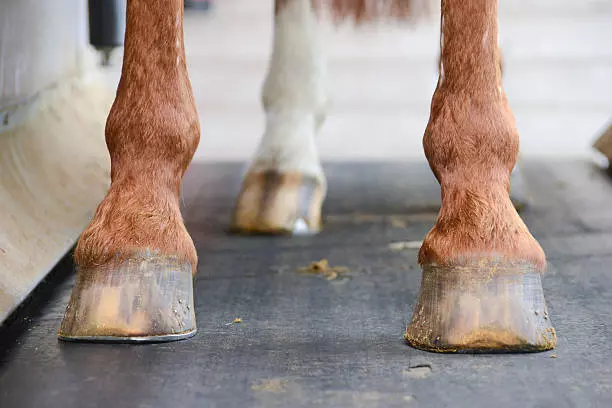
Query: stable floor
point(306, 341)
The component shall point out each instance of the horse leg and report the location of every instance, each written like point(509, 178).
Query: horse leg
point(135, 261)
point(518, 190)
point(481, 287)
point(284, 187)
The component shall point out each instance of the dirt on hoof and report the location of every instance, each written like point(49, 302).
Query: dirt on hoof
point(322, 267)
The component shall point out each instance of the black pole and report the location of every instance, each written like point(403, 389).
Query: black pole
point(107, 25)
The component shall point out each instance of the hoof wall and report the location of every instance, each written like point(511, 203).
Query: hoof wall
point(275, 203)
point(136, 300)
point(492, 308)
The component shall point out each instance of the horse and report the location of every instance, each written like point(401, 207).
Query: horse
point(481, 267)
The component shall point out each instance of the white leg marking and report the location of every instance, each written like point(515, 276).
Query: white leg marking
point(294, 94)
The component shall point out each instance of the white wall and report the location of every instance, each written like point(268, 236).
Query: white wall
point(54, 165)
point(42, 43)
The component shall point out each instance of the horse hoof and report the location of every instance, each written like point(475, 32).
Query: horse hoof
point(142, 299)
point(487, 307)
point(279, 203)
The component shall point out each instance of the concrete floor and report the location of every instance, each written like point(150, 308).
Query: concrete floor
point(558, 76)
point(305, 341)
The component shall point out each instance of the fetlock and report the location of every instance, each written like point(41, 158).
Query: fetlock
point(134, 219)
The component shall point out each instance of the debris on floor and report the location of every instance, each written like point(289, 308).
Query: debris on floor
point(322, 268)
point(274, 385)
point(401, 245)
point(418, 371)
point(235, 321)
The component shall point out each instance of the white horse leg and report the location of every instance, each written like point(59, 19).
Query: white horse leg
point(285, 186)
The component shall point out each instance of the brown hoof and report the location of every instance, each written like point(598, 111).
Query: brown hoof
point(275, 203)
point(490, 307)
point(149, 299)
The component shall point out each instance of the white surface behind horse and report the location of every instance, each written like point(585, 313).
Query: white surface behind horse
point(557, 74)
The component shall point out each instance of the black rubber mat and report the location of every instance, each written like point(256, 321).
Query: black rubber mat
point(306, 341)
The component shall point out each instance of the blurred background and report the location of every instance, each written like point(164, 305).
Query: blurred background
point(558, 73)
point(558, 77)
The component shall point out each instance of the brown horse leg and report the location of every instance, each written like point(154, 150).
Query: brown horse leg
point(518, 191)
point(481, 288)
point(135, 261)
point(285, 186)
